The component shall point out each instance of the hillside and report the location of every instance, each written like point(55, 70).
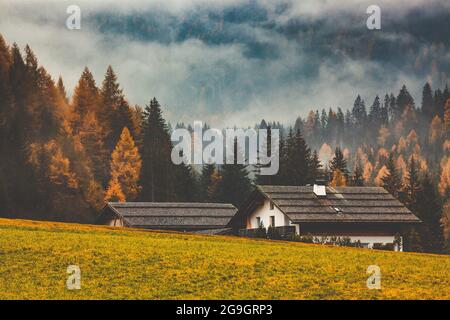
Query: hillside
point(134, 264)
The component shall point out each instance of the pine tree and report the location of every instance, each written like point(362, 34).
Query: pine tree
point(315, 167)
point(6, 113)
point(126, 166)
point(298, 159)
point(91, 136)
point(404, 99)
point(358, 179)
point(385, 111)
point(428, 207)
point(359, 112)
point(214, 187)
point(85, 99)
point(157, 173)
point(392, 181)
point(375, 116)
point(206, 180)
point(428, 109)
point(185, 183)
point(412, 184)
point(235, 184)
point(114, 111)
point(339, 163)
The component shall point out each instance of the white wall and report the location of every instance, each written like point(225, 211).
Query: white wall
point(370, 240)
point(117, 222)
point(264, 212)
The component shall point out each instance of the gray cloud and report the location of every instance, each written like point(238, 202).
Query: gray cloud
point(235, 62)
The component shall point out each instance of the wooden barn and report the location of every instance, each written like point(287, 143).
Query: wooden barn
point(368, 214)
point(186, 217)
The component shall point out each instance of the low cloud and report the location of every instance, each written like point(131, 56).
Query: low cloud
point(235, 62)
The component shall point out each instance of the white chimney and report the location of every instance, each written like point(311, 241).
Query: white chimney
point(319, 190)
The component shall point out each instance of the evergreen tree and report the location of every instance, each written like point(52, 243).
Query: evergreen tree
point(439, 102)
point(412, 184)
point(357, 179)
point(315, 167)
point(6, 113)
point(91, 135)
point(206, 181)
point(157, 173)
point(359, 112)
point(298, 159)
point(428, 207)
point(428, 109)
point(404, 99)
point(114, 111)
point(235, 184)
point(185, 186)
point(85, 99)
point(394, 111)
point(385, 111)
point(375, 116)
point(339, 163)
point(392, 181)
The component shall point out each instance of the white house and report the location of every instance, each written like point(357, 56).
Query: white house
point(368, 214)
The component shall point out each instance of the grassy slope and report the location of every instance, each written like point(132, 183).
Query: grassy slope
point(123, 264)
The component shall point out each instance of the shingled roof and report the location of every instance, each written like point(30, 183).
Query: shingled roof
point(341, 204)
point(171, 215)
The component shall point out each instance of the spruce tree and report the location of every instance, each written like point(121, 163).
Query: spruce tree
point(315, 168)
point(392, 181)
point(206, 180)
point(6, 113)
point(375, 116)
point(235, 184)
point(114, 111)
point(404, 99)
point(428, 207)
point(428, 109)
point(412, 184)
point(185, 186)
point(357, 179)
point(157, 174)
point(85, 99)
point(298, 160)
point(339, 163)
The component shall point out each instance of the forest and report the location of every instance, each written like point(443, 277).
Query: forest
point(61, 159)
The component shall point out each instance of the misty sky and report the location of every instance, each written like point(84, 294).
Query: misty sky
point(237, 61)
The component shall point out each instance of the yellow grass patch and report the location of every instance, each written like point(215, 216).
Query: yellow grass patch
point(137, 264)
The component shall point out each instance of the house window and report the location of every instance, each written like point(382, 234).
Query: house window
point(271, 205)
point(258, 222)
point(272, 221)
